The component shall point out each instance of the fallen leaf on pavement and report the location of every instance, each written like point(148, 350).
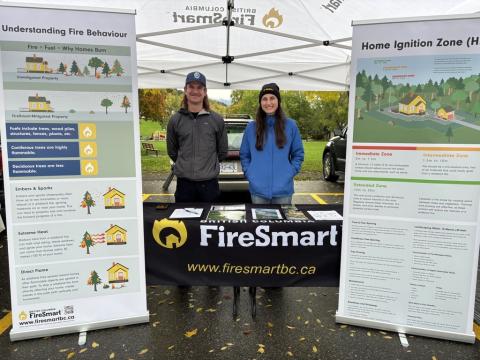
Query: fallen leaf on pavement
point(191, 333)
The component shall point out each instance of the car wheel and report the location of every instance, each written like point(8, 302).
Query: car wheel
point(329, 168)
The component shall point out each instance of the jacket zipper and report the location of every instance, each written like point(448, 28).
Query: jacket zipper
point(194, 133)
point(272, 137)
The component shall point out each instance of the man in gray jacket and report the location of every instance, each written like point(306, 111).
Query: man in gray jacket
point(196, 142)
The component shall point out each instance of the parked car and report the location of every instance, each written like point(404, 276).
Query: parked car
point(334, 155)
point(231, 176)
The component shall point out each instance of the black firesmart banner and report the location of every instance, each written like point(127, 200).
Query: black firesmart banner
point(247, 252)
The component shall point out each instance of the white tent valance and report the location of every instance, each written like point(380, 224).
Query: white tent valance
point(301, 44)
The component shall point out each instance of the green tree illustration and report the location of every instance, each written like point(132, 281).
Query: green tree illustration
point(106, 103)
point(476, 109)
point(94, 280)
point(117, 68)
point(458, 96)
point(471, 86)
point(125, 103)
point(377, 92)
point(86, 72)
point(106, 69)
point(87, 201)
point(360, 104)
point(435, 106)
point(449, 134)
point(74, 68)
point(87, 242)
point(61, 68)
point(95, 63)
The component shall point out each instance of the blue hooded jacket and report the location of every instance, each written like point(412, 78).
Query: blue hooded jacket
point(270, 171)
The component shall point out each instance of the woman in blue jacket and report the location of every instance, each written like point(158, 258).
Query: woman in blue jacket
point(272, 151)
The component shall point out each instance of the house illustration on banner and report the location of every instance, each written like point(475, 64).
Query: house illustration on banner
point(35, 64)
point(446, 113)
point(115, 235)
point(39, 104)
point(114, 199)
point(412, 104)
point(117, 274)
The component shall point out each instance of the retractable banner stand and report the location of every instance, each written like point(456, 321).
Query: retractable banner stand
point(412, 191)
point(69, 106)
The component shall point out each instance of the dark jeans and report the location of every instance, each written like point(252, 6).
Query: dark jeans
point(197, 191)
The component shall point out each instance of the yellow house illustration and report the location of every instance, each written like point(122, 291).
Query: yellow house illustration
point(36, 65)
point(116, 235)
point(114, 199)
point(412, 104)
point(39, 103)
point(117, 273)
point(446, 113)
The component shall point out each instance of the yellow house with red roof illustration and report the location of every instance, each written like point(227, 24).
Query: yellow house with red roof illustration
point(117, 273)
point(114, 199)
point(412, 104)
point(446, 113)
point(116, 235)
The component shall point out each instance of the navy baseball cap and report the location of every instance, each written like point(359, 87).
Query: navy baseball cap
point(196, 76)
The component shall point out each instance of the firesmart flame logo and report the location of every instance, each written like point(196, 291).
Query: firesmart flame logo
point(170, 234)
point(272, 19)
point(22, 316)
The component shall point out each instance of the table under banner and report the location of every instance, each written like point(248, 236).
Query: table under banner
point(231, 249)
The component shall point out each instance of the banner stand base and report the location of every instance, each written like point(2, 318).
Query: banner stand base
point(30, 334)
point(446, 335)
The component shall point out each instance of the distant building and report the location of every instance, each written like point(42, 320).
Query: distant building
point(412, 104)
point(39, 103)
point(446, 113)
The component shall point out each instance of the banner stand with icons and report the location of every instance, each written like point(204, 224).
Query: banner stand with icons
point(412, 192)
point(70, 135)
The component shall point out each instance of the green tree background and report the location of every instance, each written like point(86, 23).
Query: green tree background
point(316, 113)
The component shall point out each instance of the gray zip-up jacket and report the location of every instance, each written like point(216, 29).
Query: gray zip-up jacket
point(197, 145)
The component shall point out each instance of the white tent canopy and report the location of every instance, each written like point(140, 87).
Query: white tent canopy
point(300, 44)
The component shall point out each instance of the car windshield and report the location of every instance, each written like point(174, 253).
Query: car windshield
point(235, 135)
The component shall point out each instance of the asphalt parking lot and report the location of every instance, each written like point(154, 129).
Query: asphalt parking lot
point(197, 322)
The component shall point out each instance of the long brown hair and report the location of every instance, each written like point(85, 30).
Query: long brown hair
point(279, 127)
point(206, 104)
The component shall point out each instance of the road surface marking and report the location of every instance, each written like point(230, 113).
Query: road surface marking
point(146, 196)
point(5, 322)
point(318, 199)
